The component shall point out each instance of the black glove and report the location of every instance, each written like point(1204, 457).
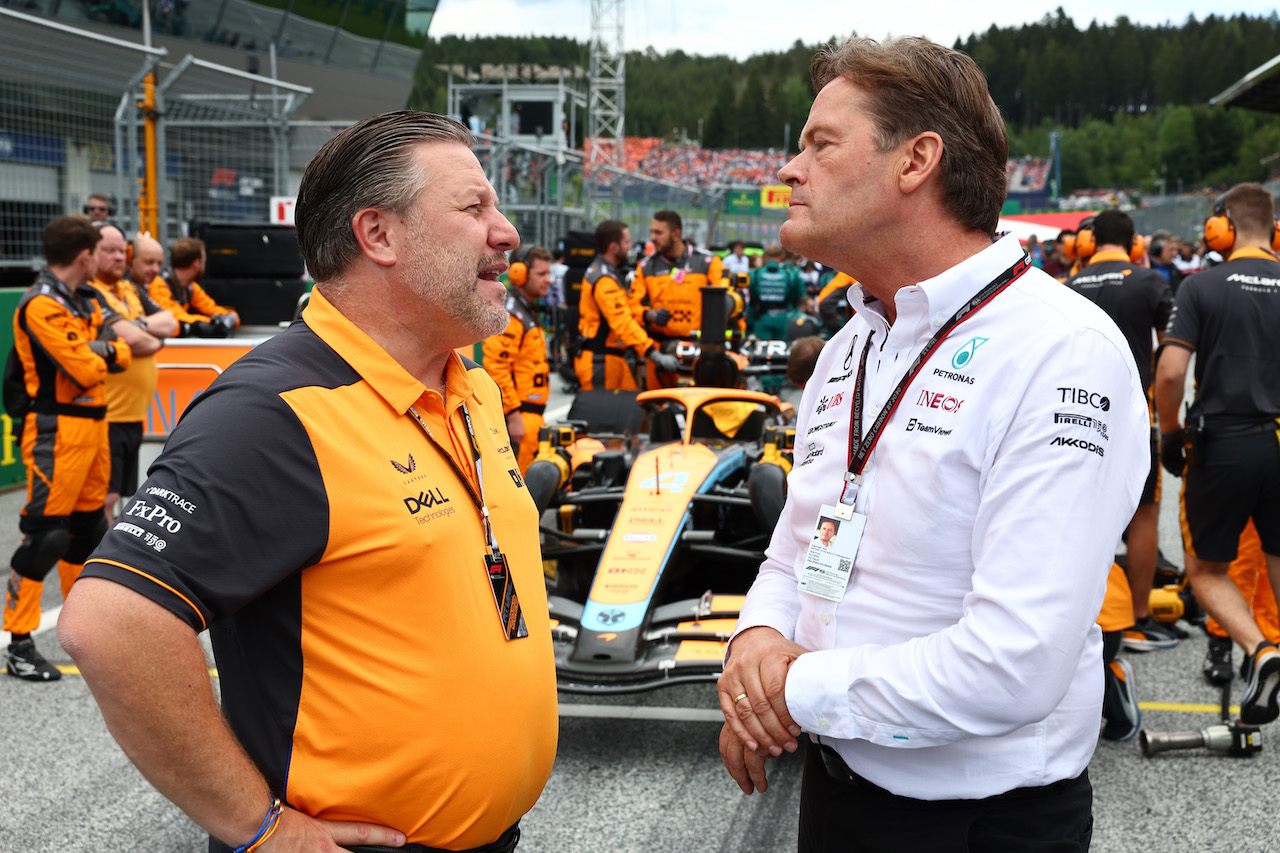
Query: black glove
point(664, 362)
point(1173, 453)
point(226, 321)
point(184, 329)
point(107, 351)
point(206, 329)
point(657, 316)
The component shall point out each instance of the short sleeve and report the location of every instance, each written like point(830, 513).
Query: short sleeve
point(1184, 323)
point(234, 505)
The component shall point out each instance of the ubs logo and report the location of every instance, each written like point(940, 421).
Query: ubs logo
point(829, 403)
point(425, 500)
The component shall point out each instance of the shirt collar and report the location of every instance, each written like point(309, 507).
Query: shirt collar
point(383, 373)
point(946, 292)
point(1103, 257)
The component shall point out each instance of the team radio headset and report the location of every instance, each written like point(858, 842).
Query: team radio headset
point(1085, 244)
point(495, 562)
point(518, 272)
point(1220, 231)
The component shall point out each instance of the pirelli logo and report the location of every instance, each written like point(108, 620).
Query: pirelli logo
point(1082, 420)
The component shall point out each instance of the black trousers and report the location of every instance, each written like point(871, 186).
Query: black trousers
point(859, 817)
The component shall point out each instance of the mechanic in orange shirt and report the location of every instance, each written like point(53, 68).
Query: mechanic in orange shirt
point(667, 292)
point(605, 318)
point(517, 358)
point(65, 354)
point(179, 291)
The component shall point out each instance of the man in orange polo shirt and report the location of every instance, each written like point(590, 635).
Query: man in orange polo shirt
point(145, 326)
point(343, 508)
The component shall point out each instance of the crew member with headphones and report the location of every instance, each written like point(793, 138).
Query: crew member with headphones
point(605, 318)
point(1228, 449)
point(517, 358)
point(1139, 301)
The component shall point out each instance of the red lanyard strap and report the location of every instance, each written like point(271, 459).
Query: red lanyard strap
point(860, 450)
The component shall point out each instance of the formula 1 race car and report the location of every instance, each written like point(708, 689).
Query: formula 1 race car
point(656, 512)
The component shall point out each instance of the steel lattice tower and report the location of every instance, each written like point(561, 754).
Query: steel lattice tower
point(607, 103)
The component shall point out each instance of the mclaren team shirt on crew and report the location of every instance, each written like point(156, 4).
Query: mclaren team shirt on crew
point(1229, 316)
point(300, 513)
point(994, 500)
point(1137, 299)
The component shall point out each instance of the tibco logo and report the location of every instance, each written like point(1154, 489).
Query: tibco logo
point(1083, 397)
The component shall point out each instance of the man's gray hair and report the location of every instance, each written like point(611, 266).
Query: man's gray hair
point(370, 164)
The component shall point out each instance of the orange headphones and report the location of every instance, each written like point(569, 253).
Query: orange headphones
point(518, 273)
point(1220, 231)
point(1085, 244)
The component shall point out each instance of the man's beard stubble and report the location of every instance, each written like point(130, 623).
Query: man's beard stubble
point(447, 277)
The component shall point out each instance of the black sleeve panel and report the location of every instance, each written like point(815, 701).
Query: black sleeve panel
point(233, 506)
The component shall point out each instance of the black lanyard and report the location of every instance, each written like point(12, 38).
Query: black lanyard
point(495, 564)
point(477, 499)
point(860, 448)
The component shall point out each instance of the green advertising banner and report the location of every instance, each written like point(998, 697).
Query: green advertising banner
point(12, 471)
point(744, 202)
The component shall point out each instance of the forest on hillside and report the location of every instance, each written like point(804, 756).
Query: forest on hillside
point(1129, 101)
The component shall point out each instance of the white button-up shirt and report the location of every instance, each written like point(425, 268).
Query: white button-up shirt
point(964, 660)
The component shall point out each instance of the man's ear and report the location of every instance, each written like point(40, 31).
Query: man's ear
point(921, 160)
point(374, 232)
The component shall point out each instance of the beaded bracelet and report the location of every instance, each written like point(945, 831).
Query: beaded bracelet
point(265, 830)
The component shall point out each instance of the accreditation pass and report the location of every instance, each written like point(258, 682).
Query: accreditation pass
point(828, 563)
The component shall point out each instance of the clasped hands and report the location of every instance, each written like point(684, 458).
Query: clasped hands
point(753, 698)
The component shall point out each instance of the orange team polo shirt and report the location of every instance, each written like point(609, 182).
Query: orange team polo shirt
point(301, 513)
point(128, 393)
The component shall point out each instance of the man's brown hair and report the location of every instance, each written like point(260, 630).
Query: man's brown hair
point(185, 252)
point(537, 253)
point(369, 165)
point(774, 252)
point(66, 237)
point(671, 218)
point(1251, 208)
point(914, 85)
point(608, 233)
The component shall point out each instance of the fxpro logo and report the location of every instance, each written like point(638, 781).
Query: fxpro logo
point(1082, 397)
point(425, 500)
point(1079, 444)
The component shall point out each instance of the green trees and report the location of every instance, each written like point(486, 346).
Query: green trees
point(1130, 101)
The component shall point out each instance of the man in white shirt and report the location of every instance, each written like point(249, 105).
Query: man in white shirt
point(947, 682)
point(737, 261)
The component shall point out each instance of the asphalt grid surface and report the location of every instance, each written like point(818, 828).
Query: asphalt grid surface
point(646, 775)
